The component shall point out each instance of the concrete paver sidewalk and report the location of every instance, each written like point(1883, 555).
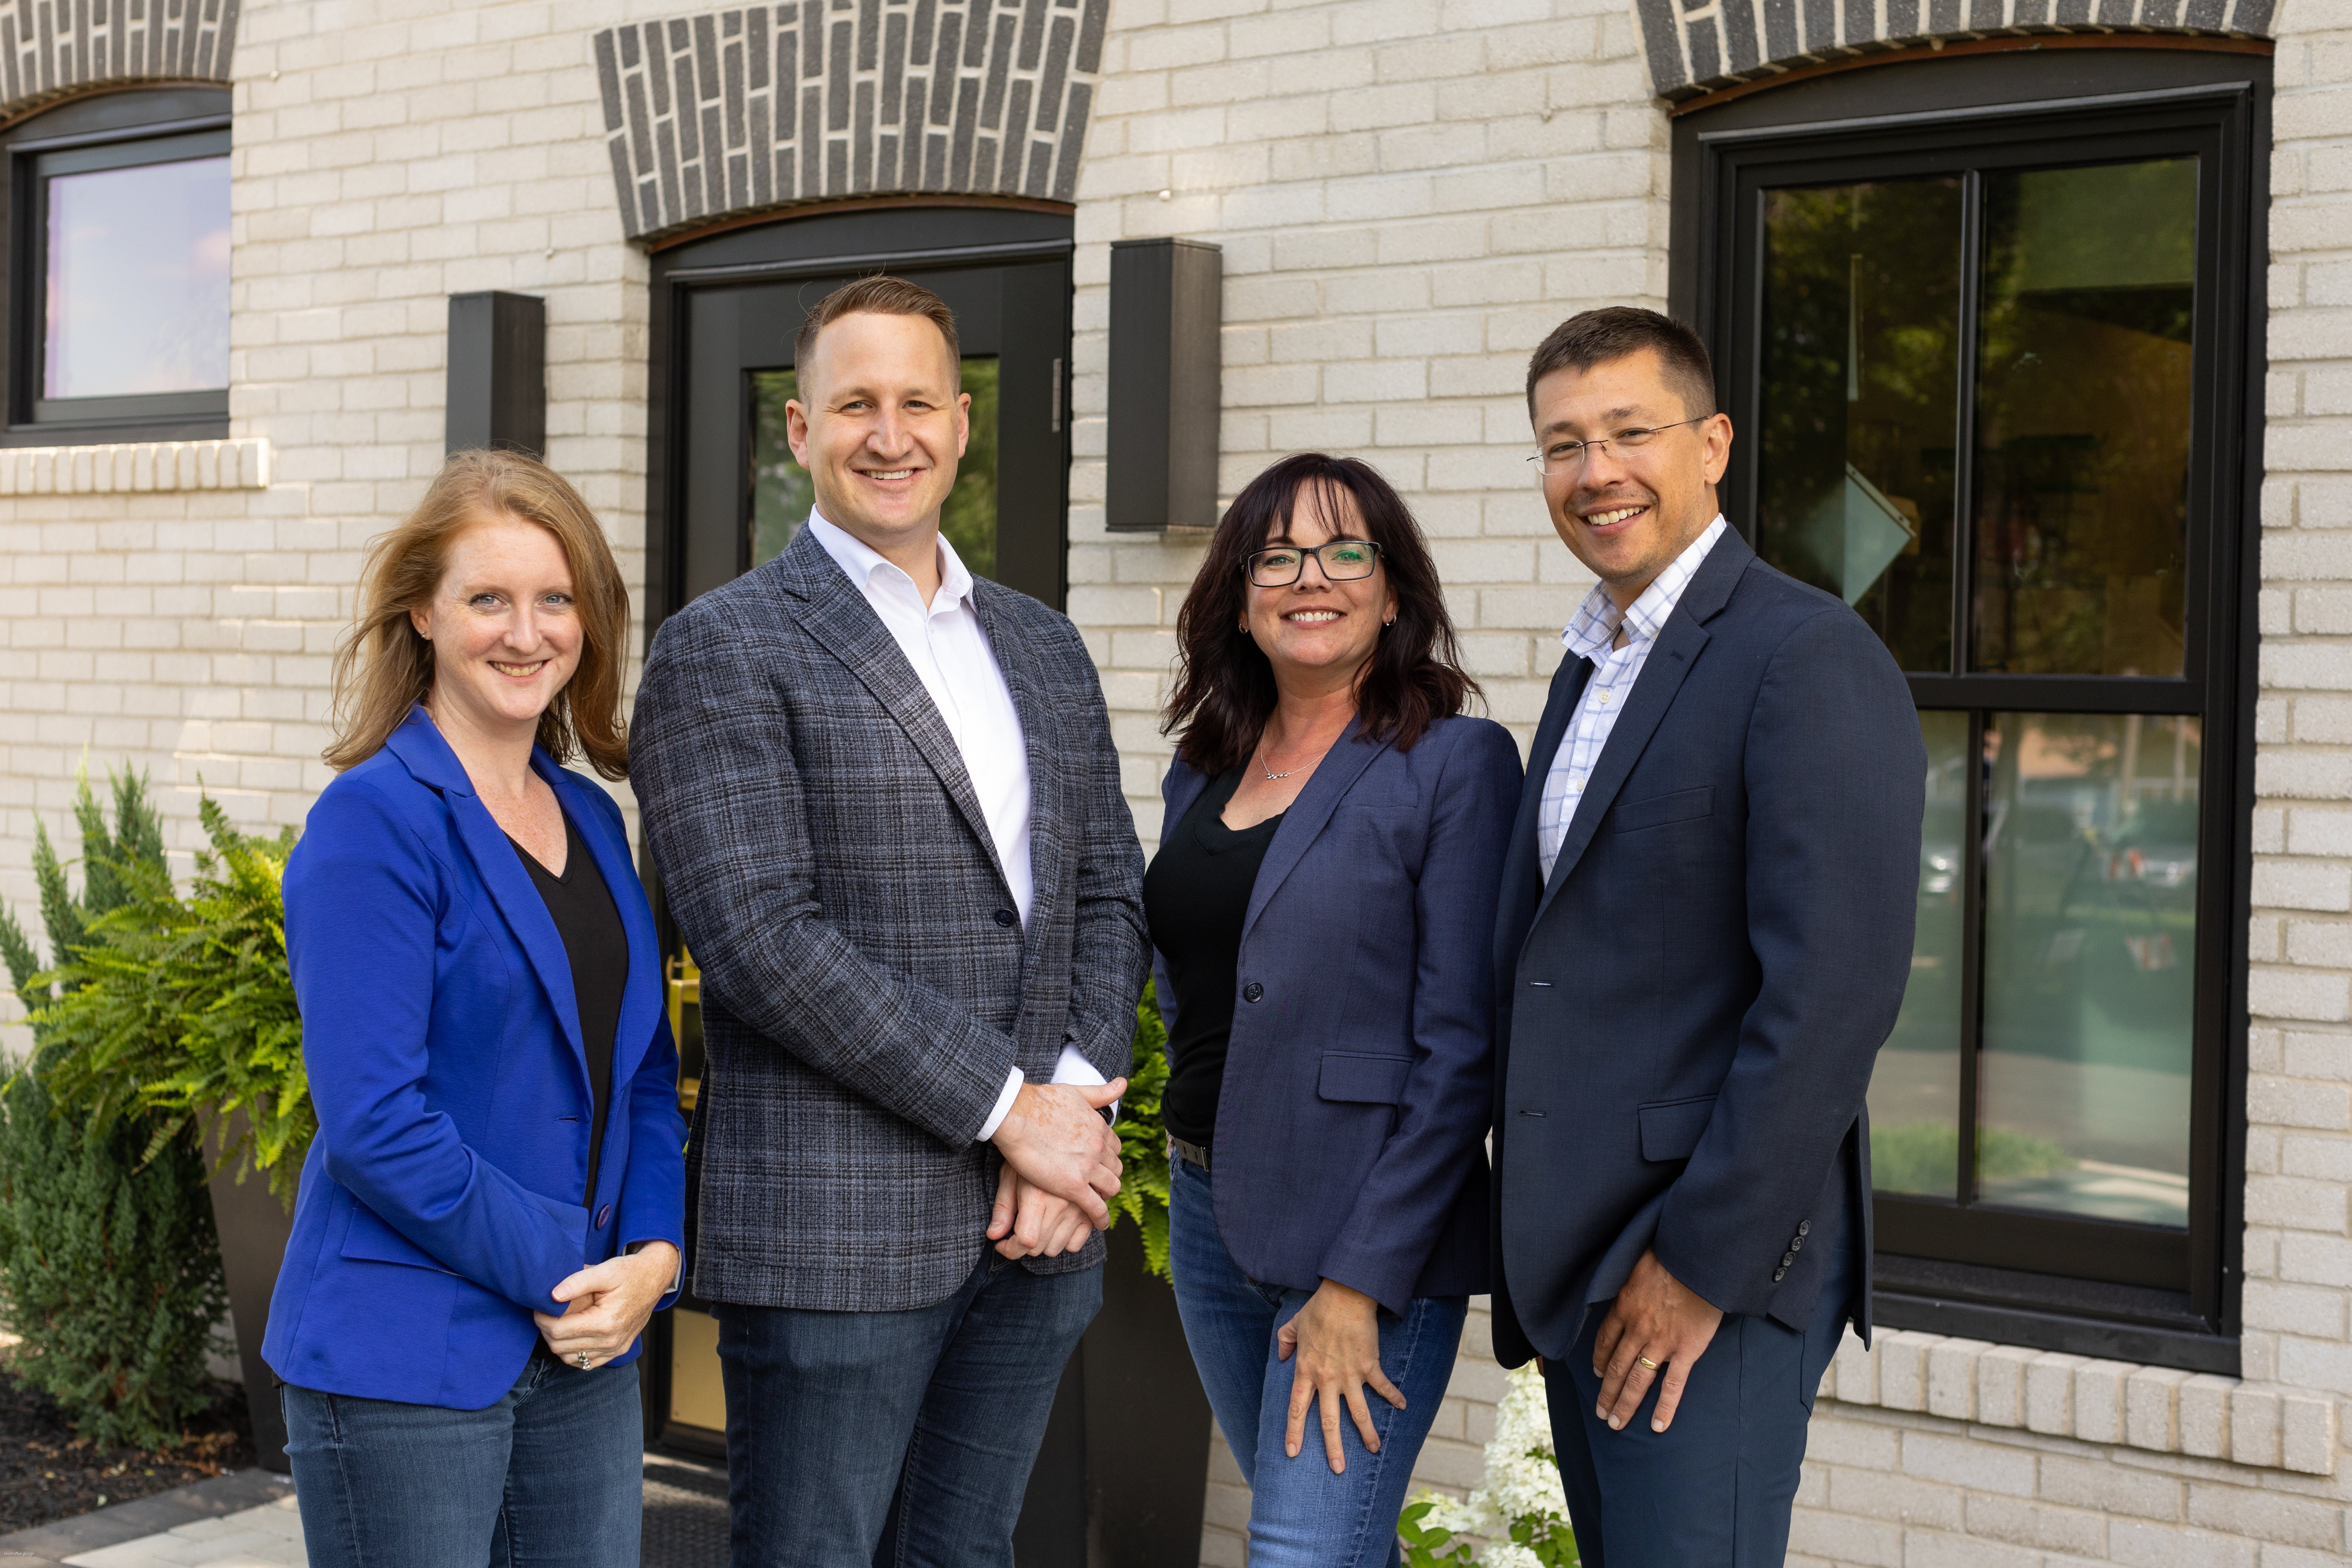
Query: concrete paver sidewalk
point(269, 1536)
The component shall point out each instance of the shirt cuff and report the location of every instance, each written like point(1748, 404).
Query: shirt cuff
point(1074, 1067)
point(1012, 1082)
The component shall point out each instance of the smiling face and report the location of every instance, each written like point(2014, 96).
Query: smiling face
point(1627, 514)
point(505, 628)
point(880, 426)
point(1317, 633)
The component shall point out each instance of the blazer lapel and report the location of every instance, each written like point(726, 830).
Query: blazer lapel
point(1679, 645)
point(1340, 767)
point(837, 615)
point(641, 994)
point(1522, 876)
point(1039, 736)
point(1178, 791)
point(420, 746)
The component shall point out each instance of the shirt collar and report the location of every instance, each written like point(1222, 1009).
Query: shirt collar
point(861, 560)
point(1593, 627)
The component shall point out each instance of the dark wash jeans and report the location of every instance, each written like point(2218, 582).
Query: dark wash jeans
point(1302, 1515)
point(895, 1439)
point(551, 1476)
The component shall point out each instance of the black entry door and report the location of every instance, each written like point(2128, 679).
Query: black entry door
point(740, 495)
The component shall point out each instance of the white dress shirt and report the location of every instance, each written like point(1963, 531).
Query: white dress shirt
point(948, 647)
point(1591, 633)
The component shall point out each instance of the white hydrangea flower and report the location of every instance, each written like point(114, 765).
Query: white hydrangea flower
point(1522, 1478)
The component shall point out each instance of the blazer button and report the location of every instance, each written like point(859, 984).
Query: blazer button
point(1252, 991)
point(1804, 1227)
point(603, 1217)
point(1787, 1258)
point(1796, 1244)
point(1779, 1275)
point(1006, 918)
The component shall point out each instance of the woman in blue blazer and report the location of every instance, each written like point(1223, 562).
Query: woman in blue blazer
point(494, 1205)
point(1322, 912)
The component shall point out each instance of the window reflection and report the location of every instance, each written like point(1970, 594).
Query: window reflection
point(782, 492)
point(2082, 413)
point(2090, 839)
point(1861, 293)
point(1915, 1091)
point(137, 281)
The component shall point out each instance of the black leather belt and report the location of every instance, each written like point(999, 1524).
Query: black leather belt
point(1196, 1153)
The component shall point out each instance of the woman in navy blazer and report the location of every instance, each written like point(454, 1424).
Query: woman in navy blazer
point(1322, 912)
point(494, 1205)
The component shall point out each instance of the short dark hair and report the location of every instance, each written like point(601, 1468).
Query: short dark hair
point(1225, 686)
point(1613, 332)
point(880, 295)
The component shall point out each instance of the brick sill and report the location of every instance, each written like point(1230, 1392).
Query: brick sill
point(126, 467)
point(2163, 1410)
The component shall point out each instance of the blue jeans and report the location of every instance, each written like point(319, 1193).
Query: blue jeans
point(1716, 1487)
point(551, 1476)
point(895, 1439)
point(1302, 1515)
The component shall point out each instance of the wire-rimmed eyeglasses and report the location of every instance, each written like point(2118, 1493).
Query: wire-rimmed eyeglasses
point(1342, 561)
point(1565, 456)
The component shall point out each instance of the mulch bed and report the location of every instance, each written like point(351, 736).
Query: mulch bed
point(46, 1473)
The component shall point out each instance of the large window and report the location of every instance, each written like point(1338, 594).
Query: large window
point(1989, 367)
point(118, 260)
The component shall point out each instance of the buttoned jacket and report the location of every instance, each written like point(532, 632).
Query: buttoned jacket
point(1687, 1011)
point(866, 981)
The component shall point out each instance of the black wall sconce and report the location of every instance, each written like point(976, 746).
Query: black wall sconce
point(497, 372)
point(1166, 309)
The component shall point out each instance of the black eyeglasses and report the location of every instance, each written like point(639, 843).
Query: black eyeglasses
point(1342, 559)
point(1562, 457)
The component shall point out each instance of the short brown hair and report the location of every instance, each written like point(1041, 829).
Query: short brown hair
point(384, 666)
point(1613, 332)
point(1225, 686)
point(880, 295)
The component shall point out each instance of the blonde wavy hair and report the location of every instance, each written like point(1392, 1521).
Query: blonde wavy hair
point(384, 667)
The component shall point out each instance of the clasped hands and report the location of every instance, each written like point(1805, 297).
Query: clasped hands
point(1061, 1168)
point(607, 1304)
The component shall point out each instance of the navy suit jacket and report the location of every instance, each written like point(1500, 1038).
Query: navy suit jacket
point(1351, 1125)
point(440, 1201)
point(1688, 1010)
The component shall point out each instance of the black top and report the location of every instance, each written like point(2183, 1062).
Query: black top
point(590, 924)
point(1195, 896)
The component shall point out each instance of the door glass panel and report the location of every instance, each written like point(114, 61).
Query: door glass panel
point(1915, 1091)
point(1861, 361)
point(782, 492)
point(2083, 420)
point(2090, 946)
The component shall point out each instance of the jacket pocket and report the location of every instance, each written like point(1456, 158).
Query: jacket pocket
point(1362, 1080)
point(373, 1241)
point(1671, 1128)
point(1660, 809)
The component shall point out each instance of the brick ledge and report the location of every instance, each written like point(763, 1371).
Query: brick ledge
point(240, 464)
point(2162, 1409)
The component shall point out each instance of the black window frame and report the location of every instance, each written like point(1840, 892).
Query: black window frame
point(112, 129)
point(2086, 1285)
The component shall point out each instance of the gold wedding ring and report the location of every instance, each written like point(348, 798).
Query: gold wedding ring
point(1645, 1361)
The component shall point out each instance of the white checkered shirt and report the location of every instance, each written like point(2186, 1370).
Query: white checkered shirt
point(1589, 635)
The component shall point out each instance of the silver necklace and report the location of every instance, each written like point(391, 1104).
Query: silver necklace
point(1268, 772)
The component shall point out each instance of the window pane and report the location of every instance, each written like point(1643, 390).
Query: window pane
point(1914, 1092)
point(782, 493)
point(137, 281)
point(1861, 368)
point(2089, 955)
point(2082, 413)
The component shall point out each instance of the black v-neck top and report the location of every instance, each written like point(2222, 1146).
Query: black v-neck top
point(1195, 897)
point(598, 948)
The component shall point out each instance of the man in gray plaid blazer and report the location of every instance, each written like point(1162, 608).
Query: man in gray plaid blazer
point(884, 803)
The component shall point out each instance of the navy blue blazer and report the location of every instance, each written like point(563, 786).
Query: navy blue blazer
point(1688, 1010)
point(440, 1201)
point(1352, 1123)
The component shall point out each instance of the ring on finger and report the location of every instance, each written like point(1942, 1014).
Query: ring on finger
point(1645, 1361)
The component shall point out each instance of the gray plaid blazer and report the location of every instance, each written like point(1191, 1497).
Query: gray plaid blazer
point(862, 994)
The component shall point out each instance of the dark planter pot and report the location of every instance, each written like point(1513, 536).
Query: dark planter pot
point(254, 1228)
point(1124, 1472)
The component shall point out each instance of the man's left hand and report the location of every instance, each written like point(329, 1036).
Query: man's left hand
point(607, 1305)
point(1656, 1330)
point(1030, 1222)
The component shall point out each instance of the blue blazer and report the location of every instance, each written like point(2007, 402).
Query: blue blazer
point(1687, 1010)
point(440, 1201)
point(1351, 1140)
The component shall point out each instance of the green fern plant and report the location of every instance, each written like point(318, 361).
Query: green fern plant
point(1143, 1139)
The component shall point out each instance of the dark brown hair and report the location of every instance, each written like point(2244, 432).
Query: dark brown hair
point(880, 295)
point(385, 665)
point(1597, 337)
point(1225, 686)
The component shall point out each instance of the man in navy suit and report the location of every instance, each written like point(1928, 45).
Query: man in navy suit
point(1704, 937)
